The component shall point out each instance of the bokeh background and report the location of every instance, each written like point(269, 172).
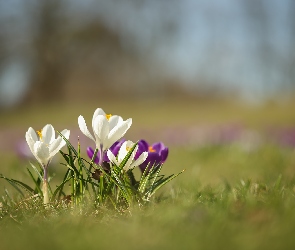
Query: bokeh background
point(52, 50)
point(191, 73)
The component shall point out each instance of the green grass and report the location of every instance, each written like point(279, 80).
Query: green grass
point(228, 197)
point(158, 113)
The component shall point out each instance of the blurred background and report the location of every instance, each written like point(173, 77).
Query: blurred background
point(189, 73)
point(53, 49)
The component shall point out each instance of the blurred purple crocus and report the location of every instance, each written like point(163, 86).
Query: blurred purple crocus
point(114, 148)
point(157, 154)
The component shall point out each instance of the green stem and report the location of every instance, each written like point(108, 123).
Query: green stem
point(73, 186)
point(101, 189)
point(81, 184)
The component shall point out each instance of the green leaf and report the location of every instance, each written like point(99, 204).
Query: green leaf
point(62, 184)
point(158, 170)
point(132, 178)
point(36, 183)
point(68, 143)
point(72, 149)
point(144, 179)
point(38, 172)
point(60, 188)
point(16, 184)
point(163, 182)
point(126, 158)
point(120, 184)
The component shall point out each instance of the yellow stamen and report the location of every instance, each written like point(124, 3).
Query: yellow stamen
point(128, 148)
point(108, 116)
point(151, 149)
point(40, 134)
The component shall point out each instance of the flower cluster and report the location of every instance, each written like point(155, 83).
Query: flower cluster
point(156, 154)
point(110, 152)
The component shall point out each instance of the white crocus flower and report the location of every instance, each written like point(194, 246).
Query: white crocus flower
point(107, 129)
point(131, 163)
point(44, 147)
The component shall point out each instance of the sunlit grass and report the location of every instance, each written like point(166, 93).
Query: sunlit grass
point(158, 113)
point(229, 197)
point(246, 215)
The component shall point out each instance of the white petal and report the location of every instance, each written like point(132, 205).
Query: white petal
point(66, 133)
point(117, 133)
point(97, 112)
point(58, 143)
point(83, 127)
point(31, 138)
point(129, 122)
point(33, 134)
point(139, 160)
point(100, 129)
point(55, 146)
point(124, 151)
point(48, 134)
point(128, 164)
point(41, 152)
point(114, 121)
point(112, 158)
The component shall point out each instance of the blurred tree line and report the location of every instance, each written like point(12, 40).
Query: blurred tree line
point(71, 58)
point(73, 54)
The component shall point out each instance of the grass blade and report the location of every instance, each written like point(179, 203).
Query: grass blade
point(37, 183)
point(16, 184)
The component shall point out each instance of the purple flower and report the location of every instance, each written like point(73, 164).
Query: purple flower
point(114, 148)
point(157, 154)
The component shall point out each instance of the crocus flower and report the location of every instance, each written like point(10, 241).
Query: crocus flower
point(106, 129)
point(123, 151)
point(114, 148)
point(157, 154)
point(44, 147)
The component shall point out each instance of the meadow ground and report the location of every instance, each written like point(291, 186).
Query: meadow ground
point(236, 192)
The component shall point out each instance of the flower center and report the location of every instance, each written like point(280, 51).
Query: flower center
point(151, 149)
point(128, 148)
point(40, 134)
point(108, 116)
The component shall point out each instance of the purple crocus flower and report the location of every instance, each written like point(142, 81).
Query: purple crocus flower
point(157, 154)
point(114, 148)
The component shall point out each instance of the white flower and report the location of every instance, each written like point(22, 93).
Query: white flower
point(107, 129)
point(45, 146)
point(126, 146)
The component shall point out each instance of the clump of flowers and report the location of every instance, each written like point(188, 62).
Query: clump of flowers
point(106, 179)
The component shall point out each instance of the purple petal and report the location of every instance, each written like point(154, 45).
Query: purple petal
point(153, 159)
point(158, 146)
point(114, 149)
point(143, 146)
point(164, 154)
point(90, 153)
point(114, 145)
point(105, 157)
